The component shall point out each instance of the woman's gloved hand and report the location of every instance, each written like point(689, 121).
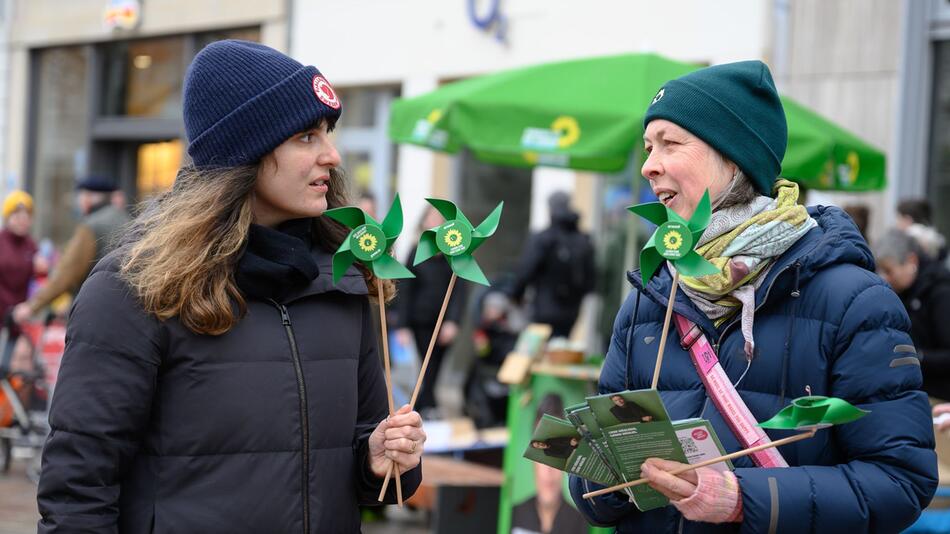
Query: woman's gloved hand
point(704, 494)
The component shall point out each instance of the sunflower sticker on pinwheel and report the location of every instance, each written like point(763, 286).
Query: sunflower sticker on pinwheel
point(457, 239)
point(369, 242)
point(814, 411)
point(675, 239)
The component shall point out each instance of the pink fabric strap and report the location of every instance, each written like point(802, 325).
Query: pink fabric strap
point(724, 394)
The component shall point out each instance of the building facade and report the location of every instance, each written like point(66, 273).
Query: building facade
point(95, 88)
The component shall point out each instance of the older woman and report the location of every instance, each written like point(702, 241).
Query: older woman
point(796, 308)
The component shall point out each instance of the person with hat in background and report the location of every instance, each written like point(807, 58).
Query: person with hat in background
point(215, 378)
point(17, 251)
point(95, 236)
point(796, 309)
point(558, 263)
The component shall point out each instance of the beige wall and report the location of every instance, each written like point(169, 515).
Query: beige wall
point(842, 61)
point(44, 23)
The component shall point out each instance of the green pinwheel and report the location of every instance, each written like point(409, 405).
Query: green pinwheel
point(369, 242)
point(814, 412)
point(674, 239)
point(457, 239)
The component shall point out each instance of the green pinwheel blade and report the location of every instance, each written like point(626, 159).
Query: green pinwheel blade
point(701, 216)
point(487, 228)
point(490, 224)
point(655, 212)
point(342, 260)
point(814, 411)
point(692, 264)
point(447, 209)
point(392, 224)
point(466, 268)
point(388, 268)
point(426, 248)
point(650, 260)
point(350, 216)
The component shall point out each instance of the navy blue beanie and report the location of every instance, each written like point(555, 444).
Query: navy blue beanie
point(243, 99)
point(735, 109)
point(99, 184)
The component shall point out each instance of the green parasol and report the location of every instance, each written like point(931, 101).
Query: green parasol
point(674, 239)
point(814, 411)
point(369, 242)
point(457, 239)
point(587, 114)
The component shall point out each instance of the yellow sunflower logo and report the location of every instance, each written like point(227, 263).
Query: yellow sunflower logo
point(368, 243)
point(453, 238)
point(673, 240)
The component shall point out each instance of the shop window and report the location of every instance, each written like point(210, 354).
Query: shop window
point(157, 167)
point(143, 78)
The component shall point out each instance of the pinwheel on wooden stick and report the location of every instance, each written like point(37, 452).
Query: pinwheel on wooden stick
point(369, 243)
point(456, 239)
point(674, 240)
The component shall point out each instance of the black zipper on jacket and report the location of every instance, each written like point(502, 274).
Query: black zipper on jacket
point(304, 416)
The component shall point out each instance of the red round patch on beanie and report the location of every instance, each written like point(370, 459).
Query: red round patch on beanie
point(325, 92)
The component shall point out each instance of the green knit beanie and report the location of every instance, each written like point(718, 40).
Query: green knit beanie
point(735, 109)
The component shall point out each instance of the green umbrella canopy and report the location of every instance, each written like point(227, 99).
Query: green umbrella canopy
point(822, 155)
point(582, 114)
point(587, 114)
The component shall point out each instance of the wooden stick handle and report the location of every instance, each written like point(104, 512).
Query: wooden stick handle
point(389, 380)
point(432, 340)
point(422, 374)
point(666, 329)
point(684, 469)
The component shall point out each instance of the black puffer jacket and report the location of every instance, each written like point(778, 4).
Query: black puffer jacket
point(156, 429)
point(928, 304)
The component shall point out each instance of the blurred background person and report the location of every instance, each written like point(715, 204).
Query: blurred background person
point(558, 264)
point(417, 307)
point(861, 215)
point(923, 285)
point(914, 218)
point(367, 203)
point(18, 252)
point(94, 237)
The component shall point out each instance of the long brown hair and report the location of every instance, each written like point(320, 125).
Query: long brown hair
point(185, 245)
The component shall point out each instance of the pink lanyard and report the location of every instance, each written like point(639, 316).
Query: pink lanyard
point(724, 394)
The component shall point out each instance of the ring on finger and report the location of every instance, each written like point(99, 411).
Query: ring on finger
point(412, 448)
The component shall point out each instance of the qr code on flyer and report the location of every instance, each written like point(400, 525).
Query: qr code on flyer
point(689, 446)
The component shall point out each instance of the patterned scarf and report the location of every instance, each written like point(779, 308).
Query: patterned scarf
point(743, 241)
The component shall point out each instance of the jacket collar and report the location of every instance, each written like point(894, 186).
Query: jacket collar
point(352, 283)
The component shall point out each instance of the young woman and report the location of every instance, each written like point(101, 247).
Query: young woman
point(215, 379)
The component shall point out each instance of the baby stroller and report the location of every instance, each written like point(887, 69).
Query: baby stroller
point(27, 354)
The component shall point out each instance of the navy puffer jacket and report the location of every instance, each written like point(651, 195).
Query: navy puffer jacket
point(824, 321)
point(265, 428)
